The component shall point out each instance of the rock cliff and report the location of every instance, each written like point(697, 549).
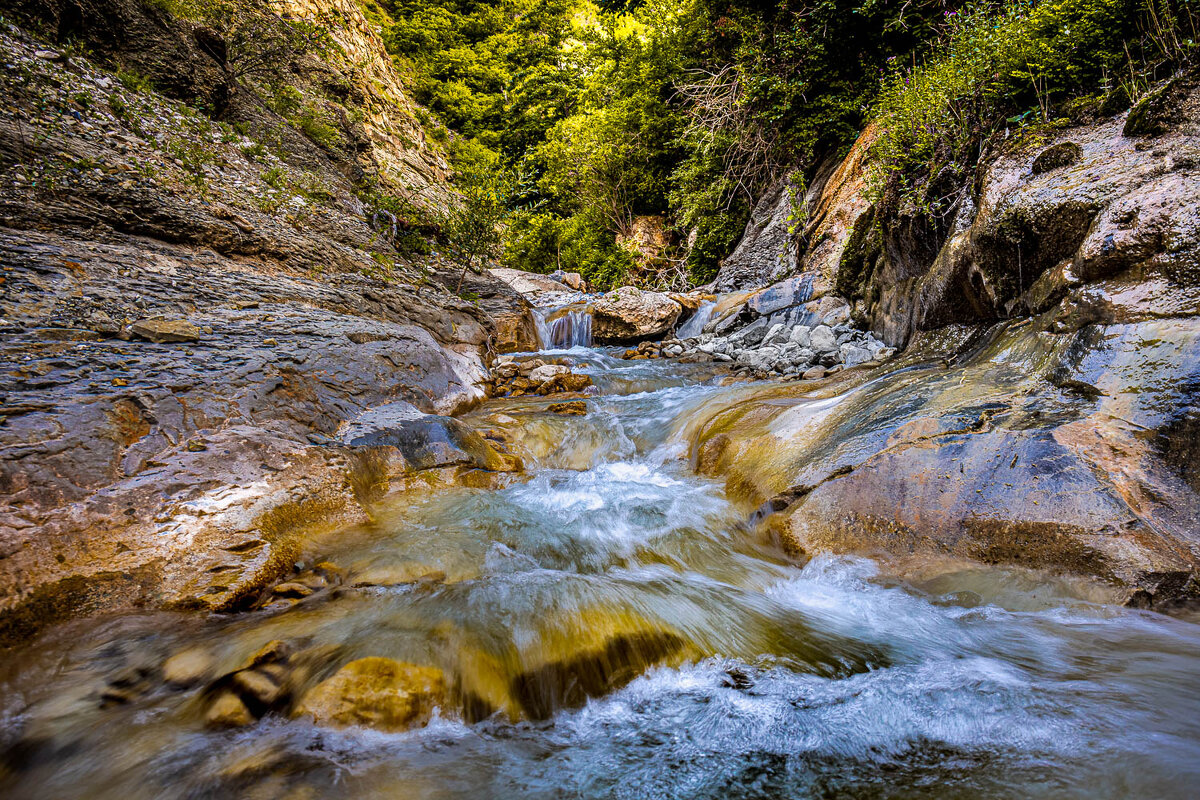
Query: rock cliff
point(1046, 411)
point(198, 298)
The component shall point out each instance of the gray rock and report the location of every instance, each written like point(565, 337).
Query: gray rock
point(778, 334)
point(800, 335)
point(752, 334)
point(547, 372)
point(853, 355)
point(822, 339)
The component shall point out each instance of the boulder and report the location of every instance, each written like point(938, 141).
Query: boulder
point(565, 383)
point(630, 315)
point(1065, 452)
point(161, 331)
point(377, 693)
point(822, 339)
point(548, 371)
point(530, 283)
point(572, 279)
point(778, 334)
point(426, 441)
point(853, 355)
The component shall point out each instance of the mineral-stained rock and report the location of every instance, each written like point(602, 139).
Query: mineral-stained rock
point(1034, 449)
point(629, 315)
point(548, 371)
point(565, 383)
point(426, 441)
point(376, 693)
point(572, 408)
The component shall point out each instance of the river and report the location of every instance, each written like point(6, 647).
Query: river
point(730, 671)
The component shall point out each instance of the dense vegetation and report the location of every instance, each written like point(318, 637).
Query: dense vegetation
point(687, 109)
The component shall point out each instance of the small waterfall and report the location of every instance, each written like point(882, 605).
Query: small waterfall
point(696, 322)
point(563, 328)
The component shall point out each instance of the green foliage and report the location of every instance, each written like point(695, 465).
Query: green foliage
point(316, 124)
point(471, 228)
point(1014, 64)
point(135, 81)
point(544, 242)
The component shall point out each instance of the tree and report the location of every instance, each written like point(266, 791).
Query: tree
point(472, 227)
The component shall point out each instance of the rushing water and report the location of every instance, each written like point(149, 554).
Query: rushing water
point(564, 327)
point(694, 326)
point(826, 679)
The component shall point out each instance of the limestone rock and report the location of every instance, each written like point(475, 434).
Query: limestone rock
point(629, 315)
point(529, 283)
point(822, 339)
point(377, 693)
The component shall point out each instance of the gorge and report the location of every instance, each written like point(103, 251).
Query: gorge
point(308, 487)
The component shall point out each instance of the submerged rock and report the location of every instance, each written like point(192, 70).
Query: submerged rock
point(376, 693)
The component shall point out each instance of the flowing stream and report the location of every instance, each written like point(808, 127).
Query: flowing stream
point(742, 674)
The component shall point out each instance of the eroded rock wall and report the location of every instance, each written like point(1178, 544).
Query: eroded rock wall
point(1046, 411)
point(189, 317)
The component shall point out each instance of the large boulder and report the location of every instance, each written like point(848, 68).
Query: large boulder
point(630, 315)
point(425, 441)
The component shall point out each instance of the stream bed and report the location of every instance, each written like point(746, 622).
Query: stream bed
point(729, 670)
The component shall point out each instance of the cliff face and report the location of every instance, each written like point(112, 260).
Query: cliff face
point(195, 305)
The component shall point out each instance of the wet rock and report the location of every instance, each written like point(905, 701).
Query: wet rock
point(228, 711)
point(188, 668)
point(1063, 154)
point(292, 589)
point(397, 575)
point(426, 441)
point(571, 682)
point(162, 331)
point(1023, 451)
point(547, 372)
point(629, 314)
point(567, 659)
point(576, 408)
point(561, 384)
point(376, 693)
